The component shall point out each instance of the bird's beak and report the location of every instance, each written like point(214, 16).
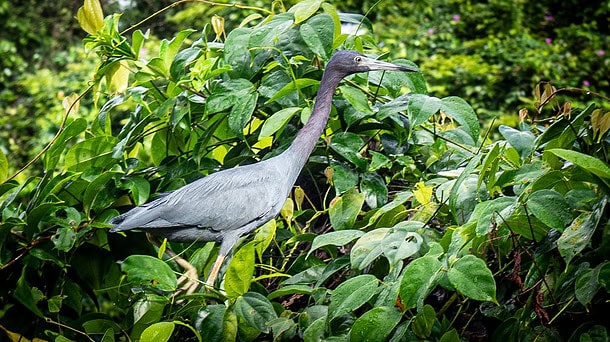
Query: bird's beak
point(374, 64)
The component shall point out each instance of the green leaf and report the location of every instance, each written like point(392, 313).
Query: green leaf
point(99, 194)
point(420, 277)
point(64, 239)
point(318, 34)
point(344, 209)
point(523, 142)
point(463, 113)
point(589, 163)
point(28, 295)
point(578, 235)
point(375, 325)
point(53, 154)
point(421, 107)
point(374, 189)
point(304, 9)
point(158, 332)
point(211, 322)
point(4, 167)
point(144, 270)
point(291, 87)
point(256, 310)
point(471, 277)
point(267, 33)
point(242, 112)
point(424, 322)
point(94, 152)
point(357, 98)
point(338, 238)
point(316, 330)
point(277, 121)
point(240, 271)
point(290, 290)
point(90, 16)
point(487, 214)
point(586, 286)
point(139, 187)
point(344, 178)
point(368, 248)
point(348, 146)
point(551, 208)
point(352, 294)
point(458, 209)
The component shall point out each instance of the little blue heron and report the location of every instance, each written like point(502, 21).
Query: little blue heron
point(230, 203)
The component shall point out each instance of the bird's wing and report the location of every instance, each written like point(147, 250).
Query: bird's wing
point(226, 200)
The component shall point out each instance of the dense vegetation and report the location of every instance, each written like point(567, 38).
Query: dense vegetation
point(410, 221)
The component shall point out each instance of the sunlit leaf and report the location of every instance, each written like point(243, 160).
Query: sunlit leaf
point(472, 278)
point(144, 270)
point(304, 9)
point(522, 141)
point(344, 209)
point(90, 16)
point(376, 324)
point(240, 271)
point(352, 294)
point(578, 234)
point(462, 112)
point(256, 310)
point(160, 331)
point(277, 121)
point(550, 207)
point(419, 279)
point(338, 238)
point(587, 162)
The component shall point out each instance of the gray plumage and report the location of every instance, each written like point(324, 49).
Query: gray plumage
point(230, 203)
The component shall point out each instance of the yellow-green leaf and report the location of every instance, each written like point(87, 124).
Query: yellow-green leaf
point(90, 16)
point(422, 193)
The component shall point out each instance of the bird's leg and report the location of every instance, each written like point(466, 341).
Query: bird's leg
point(215, 270)
point(190, 279)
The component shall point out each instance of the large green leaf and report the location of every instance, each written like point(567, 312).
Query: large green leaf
point(304, 9)
point(344, 210)
point(144, 270)
point(589, 163)
point(550, 207)
point(352, 294)
point(463, 113)
point(158, 332)
point(522, 141)
point(420, 277)
point(53, 154)
point(277, 121)
point(348, 146)
point(338, 238)
point(240, 271)
point(578, 234)
point(471, 277)
point(421, 107)
point(318, 33)
point(92, 153)
point(256, 310)
point(376, 324)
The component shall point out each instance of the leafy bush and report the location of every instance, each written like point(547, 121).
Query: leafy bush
point(408, 223)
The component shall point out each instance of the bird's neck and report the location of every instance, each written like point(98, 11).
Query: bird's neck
point(308, 136)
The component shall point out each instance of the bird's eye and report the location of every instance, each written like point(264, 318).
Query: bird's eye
point(357, 59)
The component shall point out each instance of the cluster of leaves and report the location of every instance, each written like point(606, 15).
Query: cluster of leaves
point(407, 224)
point(494, 52)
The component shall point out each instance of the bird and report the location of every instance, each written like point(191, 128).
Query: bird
point(230, 203)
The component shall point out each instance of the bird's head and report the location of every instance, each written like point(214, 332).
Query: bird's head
point(349, 62)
